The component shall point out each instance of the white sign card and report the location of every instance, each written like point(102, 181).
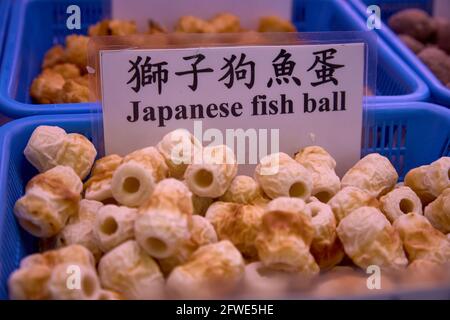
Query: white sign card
point(285, 97)
point(167, 12)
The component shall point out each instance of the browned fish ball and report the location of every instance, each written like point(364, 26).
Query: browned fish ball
point(438, 62)
point(413, 22)
point(443, 34)
point(413, 44)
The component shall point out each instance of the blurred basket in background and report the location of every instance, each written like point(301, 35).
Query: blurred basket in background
point(36, 25)
point(439, 93)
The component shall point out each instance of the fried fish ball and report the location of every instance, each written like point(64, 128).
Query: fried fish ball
point(369, 239)
point(50, 146)
point(212, 176)
point(414, 22)
point(113, 226)
point(50, 199)
point(443, 34)
point(219, 210)
point(373, 173)
point(202, 233)
point(438, 62)
point(75, 254)
point(134, 180)
point(179, 148)
point(413, 44)
point(400, 201)
point(438, 212)
point(349, 199)
point(73, 92)
point(244, 190)
point(241, 226)
point(275, 24)
point(46, 88)
point(43, 147)
point(113, 27)
point(281, 176)
point(79, 229)
point(164, 222)
point(293, 205)
point(423, 272)
point(82, 80)
point(325, 247)
point(129, 270)
point(31, 280)
point(170, 194)
point(191, 24)
point(211, 271)
point(285, 237)
point(78, 153)
point(29, 283)
point(155, 28)
point(429, 181)
point(421, 240)
point(225, 22)
point(67, 70)
point(321, 165)
point(53, 57)
point(89, 283)
point(77, 50)
point(263, 282)
point(98, 187)
point(122, 28)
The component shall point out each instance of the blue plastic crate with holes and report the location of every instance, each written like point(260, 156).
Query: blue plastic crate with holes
point(439, 92)
point(409, 134)
point(36, 25)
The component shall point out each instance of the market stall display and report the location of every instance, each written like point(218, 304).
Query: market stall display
point(170, 217)
point(395, 80)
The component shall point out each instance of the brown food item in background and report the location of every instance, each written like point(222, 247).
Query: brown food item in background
point(101, 28)
point(82, 80)
point(191, 24)
point(443, 34)
point(155, 28)
point(113, 28)
point(67, 70)
point(76, 50)
point(72, 92)
point(413, 22)
point(225, 22)
point(438, 62)
point(275, 24)
point(47, 86)
point(413, 44)
point(54, 56)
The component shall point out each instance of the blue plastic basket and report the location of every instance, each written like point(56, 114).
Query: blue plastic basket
point(410, 134)
point(4, 19)
point(4, 16)
point(439, 92)
point(36, 25)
